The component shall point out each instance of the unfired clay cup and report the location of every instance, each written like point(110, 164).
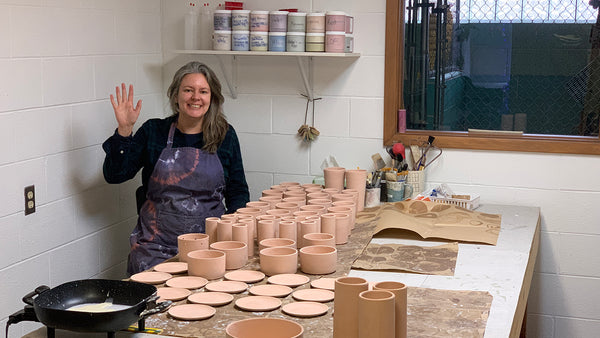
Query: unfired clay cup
point(236, 253)
point(277, 260)
point(190, 242)
point(274, 242)
point(318, 259)
point(209, 264)
point(319, 238)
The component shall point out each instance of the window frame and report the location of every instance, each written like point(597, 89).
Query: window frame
point(491, 140)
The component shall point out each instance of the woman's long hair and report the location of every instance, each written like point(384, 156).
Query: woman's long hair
point(214, 123)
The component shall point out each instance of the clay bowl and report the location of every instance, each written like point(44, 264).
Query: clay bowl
point(274, 242)
point(318, 259)
point(190, 242)
point(277, 260)
point(236, 253)
point(319, 238)
point(209, 264)
point(264, 328)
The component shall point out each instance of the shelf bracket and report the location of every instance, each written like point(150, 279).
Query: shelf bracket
point(231, 82)
point(306, 76)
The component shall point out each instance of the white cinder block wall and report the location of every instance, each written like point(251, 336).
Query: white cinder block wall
point(59, 61)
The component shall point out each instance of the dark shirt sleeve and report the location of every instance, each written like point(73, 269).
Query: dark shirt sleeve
point(236, 187)
point(123, 156)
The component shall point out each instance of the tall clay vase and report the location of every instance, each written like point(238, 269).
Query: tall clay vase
point(376, 314)
point(345, 306)
point(357, 179)
point(334, 177)
point(400, 292)
point(211, 228)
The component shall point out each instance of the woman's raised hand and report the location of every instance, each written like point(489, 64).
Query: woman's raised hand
point(125, 112)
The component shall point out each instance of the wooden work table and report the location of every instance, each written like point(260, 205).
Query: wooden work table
point(504, 270)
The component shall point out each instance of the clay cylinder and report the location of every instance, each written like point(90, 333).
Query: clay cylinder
point(265, 228)
point(209, 264)
point(287, 229)
point(278, 260)
point(306, 227)
point(239, 233)
point(224, 230)
point(211, 228)
point(251, 224)
point(334, 177)
point(342, 228)
point(190, 242)
point(319, 239)
point(236, 253)
point(328, 224)
point(345, 306)
point(376, 314)
point(319, 209)
point(400, 292)
point(357, 179)
point(350, 204)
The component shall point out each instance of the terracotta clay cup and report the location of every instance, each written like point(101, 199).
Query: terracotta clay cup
point(319, 209)
point(345, 306)
point(239, 233)
point(236, 253)
point(357, 179)
point(318, 195)
point(190, 242)
point(300, 201)
point(209, 264)
point(272, 192)
point(224, 230)
point(277, 260)
point(262, 205)
point(210, 225)
point(318, 259)
point(288, 229)
point(272, 200)
point(334, 177)
point(400, 292)
point(376, 314)
point(342, 227)
point(328, 223)
point(319, 238)
point(275, 242)
point(311, 186)
point(264, 328)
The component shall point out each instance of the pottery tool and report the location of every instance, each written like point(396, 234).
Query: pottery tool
point(378, 162)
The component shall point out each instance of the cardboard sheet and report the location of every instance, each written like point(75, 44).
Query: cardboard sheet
point(434, 260)
point(436, 220)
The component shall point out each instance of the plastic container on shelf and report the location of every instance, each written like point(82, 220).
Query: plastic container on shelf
point(190, 34)
point(335, 21)
point(335, 41)
point(296, 22)
point(315, 42)
point(315, 22)
point(205, 28)
point(222, 20)
point(259, 21)
point(259, 41)
point(349, 24)
point(278, 21)
point(349, 44)
point(240, 20)
point(277, 41)
point(295, 42)
point(240, 40)
point(222, 40)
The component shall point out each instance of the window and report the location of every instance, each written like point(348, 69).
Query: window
point(558, 126)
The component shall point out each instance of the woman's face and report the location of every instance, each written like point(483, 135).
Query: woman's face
point(194, 95)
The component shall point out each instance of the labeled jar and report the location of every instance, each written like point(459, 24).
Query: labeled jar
point(240, 20)
point(349, 44)
point(349, 24)
point(240, 40)
point(295, 41)
point(335, 42)
point(296, 22)
point(335, 21)
point(315, 42)
point(277, 41)
point(315, 23)
point(222, 20)
point(222, 40)
point(278, 21)
point(259, 21)
point(259, 41)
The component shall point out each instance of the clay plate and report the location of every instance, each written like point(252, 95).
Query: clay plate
point(211, 298)
point(227, 286)
point(305, 309)
point(246, 276)
point(313, 295)
point(288, 279)
point(151, 277)
point(175, 294)
point(258, 303)
point(272, 290)
point(172, 267)
point(191, 311)
point(326, 283)
point(187, 282)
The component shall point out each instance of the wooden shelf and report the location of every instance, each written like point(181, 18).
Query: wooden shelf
point(253, 53)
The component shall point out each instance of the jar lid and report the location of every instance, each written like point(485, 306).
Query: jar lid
point(297, 14)
point(315, 14)
point(259, 12)
point(335, 33)
point(240, 11)
point(277, 33)
point(315, 34)
point(222, 32)
point(258, 33)
point(241, 32)
point(296, 33)
point(336, 13)
point(349, 35)
point(278, 12)
point(223, 11)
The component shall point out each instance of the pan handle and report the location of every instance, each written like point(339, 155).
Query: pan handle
point(28, 299)
point(160, 307)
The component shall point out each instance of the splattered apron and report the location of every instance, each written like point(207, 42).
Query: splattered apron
point(186, 186)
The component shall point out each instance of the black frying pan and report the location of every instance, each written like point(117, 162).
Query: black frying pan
point(50, 305)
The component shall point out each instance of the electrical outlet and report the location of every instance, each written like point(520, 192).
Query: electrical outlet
point(29, 199)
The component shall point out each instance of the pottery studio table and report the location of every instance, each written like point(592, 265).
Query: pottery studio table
point(504, 271)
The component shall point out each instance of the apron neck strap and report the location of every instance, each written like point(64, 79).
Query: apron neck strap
point(171, 133)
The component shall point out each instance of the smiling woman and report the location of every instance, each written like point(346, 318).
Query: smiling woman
point(191, 163)
point(542, 99)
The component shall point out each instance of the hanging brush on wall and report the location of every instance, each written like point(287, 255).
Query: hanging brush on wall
point(306, 132)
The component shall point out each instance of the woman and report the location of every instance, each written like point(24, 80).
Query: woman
point(190, 161)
